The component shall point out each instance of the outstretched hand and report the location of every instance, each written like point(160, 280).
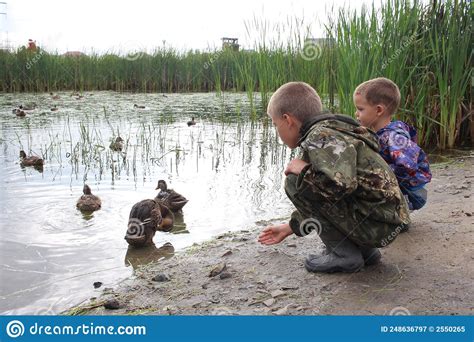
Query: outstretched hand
point(272, 235)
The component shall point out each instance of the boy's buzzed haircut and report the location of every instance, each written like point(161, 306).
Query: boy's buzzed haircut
point(381, 90)
point(297, 98)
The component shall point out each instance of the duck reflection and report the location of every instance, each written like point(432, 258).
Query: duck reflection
point(179, 226)
point(137, 257)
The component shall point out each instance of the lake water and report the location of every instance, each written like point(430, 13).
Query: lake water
point(228, 166)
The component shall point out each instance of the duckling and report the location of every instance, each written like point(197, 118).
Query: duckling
point(192, 122)
point(54, 97)
point(146, 217)
point(169, 197)
point(117, 145)
point(88, 201)
point(55, 108)
point(30, 161)
point(139, 107)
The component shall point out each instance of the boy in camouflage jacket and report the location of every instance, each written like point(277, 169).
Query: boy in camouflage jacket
point(340, 185)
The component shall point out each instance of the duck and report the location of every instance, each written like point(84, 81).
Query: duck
point(117, 145)
point(139, 107)
point(147, 217)
point(192, 122)
point(88, 201)
point(19, 112)
point(55, 108)
point(169, 197)
point(54, 97)
point(30, 161)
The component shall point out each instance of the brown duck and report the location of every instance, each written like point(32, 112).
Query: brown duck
point(146, 217)
point(88, 201)
point(117, 145)
point(192, 122)
point(19, 112)
point(30, 161)
point(169, 197)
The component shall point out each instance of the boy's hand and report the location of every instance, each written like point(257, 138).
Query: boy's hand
point(295, 166)
point(274, 234)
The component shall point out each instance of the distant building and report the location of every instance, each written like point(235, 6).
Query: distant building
point(74, 54)
point(319, 41)
point(230, 43)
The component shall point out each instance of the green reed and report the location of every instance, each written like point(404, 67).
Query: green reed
point(425, 48)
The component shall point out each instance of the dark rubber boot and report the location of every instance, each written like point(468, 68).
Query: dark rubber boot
point(345, 256)
point(371, 256)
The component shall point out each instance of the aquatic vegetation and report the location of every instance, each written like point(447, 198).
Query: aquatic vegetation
point(424, 47)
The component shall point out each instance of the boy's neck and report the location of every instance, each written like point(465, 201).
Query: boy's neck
point(383, 122)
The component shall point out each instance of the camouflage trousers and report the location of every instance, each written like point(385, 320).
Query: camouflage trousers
point(341, 215)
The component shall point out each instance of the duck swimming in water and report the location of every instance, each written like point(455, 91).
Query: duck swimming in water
point(55, 108)
point(146, 217)
point(88, 201)
point(169, 197)
point(19, 112)
point(30, 161)
point(139, 107)
point(117, 145)
point(192, 122)
point(54, 97)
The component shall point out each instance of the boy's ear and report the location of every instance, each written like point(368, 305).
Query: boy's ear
point(380, 109)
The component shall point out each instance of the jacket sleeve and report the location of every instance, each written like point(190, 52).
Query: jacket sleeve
point(332, 169)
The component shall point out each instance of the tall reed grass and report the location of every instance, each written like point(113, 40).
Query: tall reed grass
point(425, 48)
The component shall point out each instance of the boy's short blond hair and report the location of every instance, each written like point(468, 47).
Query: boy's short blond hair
point(380, 90)
point(296, 98)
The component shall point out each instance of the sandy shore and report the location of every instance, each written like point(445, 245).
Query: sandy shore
point(426, 271)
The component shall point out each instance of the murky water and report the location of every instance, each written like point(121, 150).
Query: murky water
point(229, 168)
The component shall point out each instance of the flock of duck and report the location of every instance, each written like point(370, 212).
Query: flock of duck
point(21, 111)
point(146, 217)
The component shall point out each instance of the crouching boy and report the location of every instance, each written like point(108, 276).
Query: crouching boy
point(341, 186)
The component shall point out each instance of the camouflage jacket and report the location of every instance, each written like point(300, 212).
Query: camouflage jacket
point(345, 165)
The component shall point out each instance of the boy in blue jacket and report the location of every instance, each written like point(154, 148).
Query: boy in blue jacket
point(376, 101)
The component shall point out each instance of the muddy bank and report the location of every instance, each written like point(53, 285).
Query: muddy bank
point(426, 271)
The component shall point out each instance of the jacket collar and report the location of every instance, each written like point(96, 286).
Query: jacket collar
point(323, 116)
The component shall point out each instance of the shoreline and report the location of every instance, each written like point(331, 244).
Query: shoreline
point(427, 271)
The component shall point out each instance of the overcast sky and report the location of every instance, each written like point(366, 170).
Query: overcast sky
point(143, 24)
